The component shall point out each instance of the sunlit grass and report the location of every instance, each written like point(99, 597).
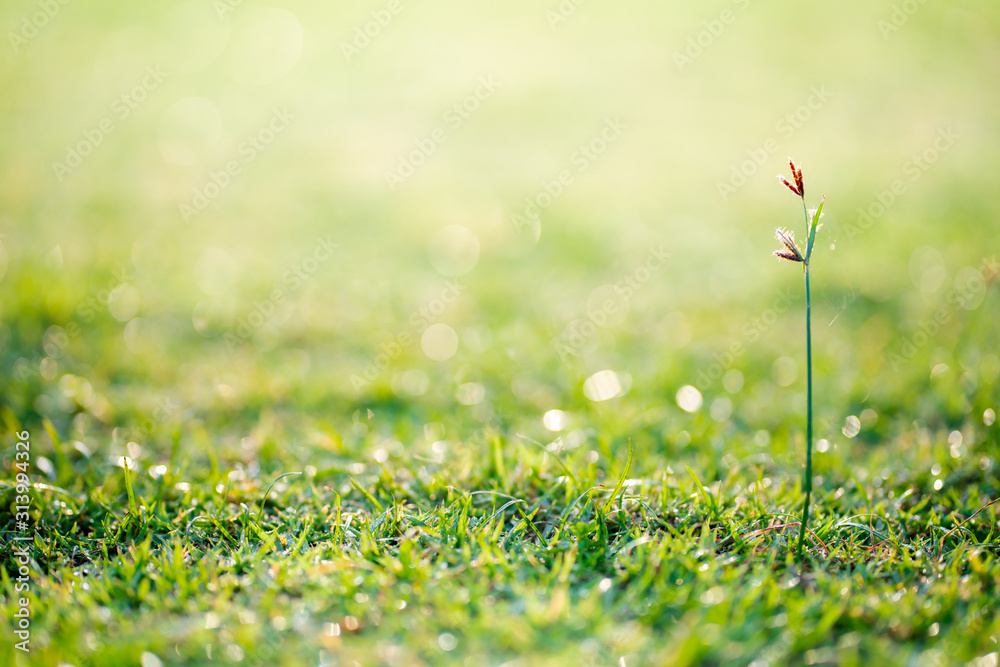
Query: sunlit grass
point(210, 484)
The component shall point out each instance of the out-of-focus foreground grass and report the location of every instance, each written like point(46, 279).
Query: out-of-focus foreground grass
point(397, 242)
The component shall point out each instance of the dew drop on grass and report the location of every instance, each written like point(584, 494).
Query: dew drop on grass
point(125, 462)
point(555, 420)
point(689, 399)
point(150, 660)
point(852, 426)
point(938, 484)
point(989, 417)
point(604, 385)
point(955, 441)
point(46, 467)
point(447, 641)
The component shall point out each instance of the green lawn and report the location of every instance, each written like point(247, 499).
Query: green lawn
point(418, 333)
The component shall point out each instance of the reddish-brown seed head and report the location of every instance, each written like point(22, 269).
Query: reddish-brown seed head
point(797, 176)
point(787, 255)
point(789, 185)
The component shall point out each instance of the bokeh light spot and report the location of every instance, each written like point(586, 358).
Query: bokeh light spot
point(555, 420)
point(689, 399)
point(602, 386)
point(439, 342)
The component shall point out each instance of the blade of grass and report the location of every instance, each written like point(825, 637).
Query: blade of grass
point(63, 468)
point(621, 479)
point(367, 494)
point(263, 498)
point(565, 467)
point(813, 227)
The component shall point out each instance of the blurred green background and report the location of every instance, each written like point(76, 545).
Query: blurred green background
point(173, 176)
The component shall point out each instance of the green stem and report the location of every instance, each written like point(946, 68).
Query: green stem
point(807, 482)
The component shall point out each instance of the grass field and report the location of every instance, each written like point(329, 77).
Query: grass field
point(418, 333)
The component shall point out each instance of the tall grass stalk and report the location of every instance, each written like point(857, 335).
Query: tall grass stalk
point(790, 251)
